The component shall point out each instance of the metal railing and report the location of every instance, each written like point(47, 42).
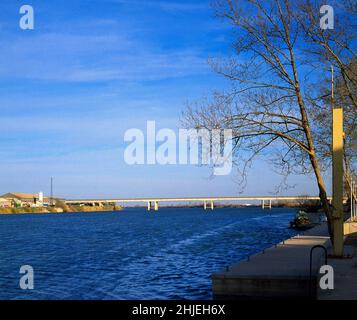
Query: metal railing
point(310, 278)
point(353, 196)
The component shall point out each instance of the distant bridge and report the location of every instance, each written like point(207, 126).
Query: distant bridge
point(153, 203)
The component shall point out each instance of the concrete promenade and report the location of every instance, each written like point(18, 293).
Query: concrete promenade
point(345, 270)
point(345, 279)
point(282, 271)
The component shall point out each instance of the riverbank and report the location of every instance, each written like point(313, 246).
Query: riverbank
point(282, 271)
point(279, 272)
point(59, 209)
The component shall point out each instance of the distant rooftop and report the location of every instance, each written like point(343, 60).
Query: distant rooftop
point(23, 196)
point(19, 195)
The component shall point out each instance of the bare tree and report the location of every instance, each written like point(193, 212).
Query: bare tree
point(333, 47)
point(266, 105)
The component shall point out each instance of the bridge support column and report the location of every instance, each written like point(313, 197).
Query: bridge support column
point(156, 205)
point(204, 205)
point(266, 205)
point(149, 205)
point(212, 205)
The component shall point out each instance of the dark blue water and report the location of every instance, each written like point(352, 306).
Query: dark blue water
point(131, 254)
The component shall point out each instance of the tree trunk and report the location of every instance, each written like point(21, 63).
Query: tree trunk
point(322, 194)
point(315, 165)
point(312, 153)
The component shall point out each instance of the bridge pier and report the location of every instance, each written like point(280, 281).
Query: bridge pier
point(266, 206)
point(212, 206)
point(156, 205)
point(204, 205)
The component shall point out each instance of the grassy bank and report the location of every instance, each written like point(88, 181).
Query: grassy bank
point(61, 208)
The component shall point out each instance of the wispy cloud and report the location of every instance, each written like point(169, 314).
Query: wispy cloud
point(63, 57)
point(90, 70)
point(172, 6)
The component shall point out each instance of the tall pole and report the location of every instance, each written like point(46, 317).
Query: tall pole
point(352, 195)
point(352, 200)
point(51, 197)
point(337, 174)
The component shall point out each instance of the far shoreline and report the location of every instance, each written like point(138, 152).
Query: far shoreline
point(63, 209)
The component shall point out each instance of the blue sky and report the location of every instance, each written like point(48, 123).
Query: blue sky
point(93, 69)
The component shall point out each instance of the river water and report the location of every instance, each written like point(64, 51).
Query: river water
point(132, 254)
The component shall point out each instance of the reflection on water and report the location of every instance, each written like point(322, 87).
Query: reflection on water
point(132, 254)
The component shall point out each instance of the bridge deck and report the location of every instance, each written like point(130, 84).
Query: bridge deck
point(188, 199)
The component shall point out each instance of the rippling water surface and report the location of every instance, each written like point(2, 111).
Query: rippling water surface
point(132, 254)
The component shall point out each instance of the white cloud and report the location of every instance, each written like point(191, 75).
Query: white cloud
point(81, 58)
